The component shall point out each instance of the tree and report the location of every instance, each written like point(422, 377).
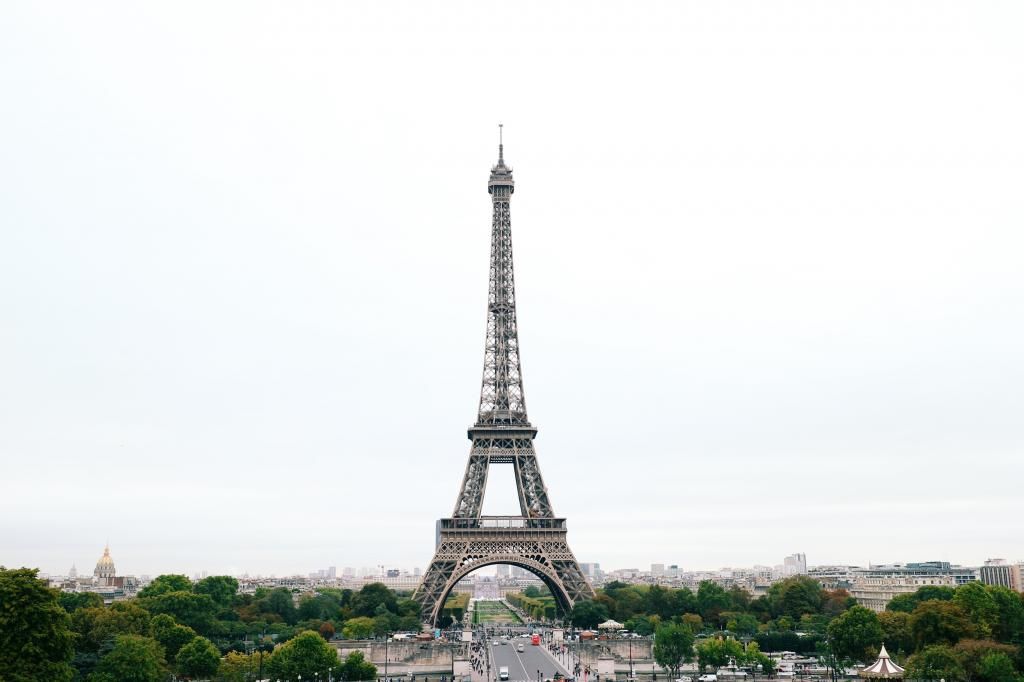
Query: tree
point(170, 634)
point(835, 663)
point(588, 614)
point(673, 646)
point(980, 606)
point(935, 662)
point(220, 588)
point(166, 583)
point(360, 627)
point(132, 659)
point(194, 610)
point(971, 653)
point(1010, 626)
point(740, 623)
point(796, 596)
point(997, 667)
point(367, 599)
point(712, 600)
point(896, 632)
point(304, 655)
point(356, 668)
point(693, 621)
point(908, 602)
point(95, 625)
point(240, 667)
point(856, 634)
point(198, 659)
point(717, 652)
point(326, 630)
point(939, 622)
point(35, 634)
point(279, 602)
point(72, 601)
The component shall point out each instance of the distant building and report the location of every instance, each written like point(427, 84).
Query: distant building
point(875, 586)
point(999, 572)
point(591, 570)
point(657, 570)
point(795, 564)
point(104, 573)
point(504, 570)
point(332, 572)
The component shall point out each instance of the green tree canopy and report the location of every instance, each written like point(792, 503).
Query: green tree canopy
point(166, 583)
point(194, 610)
point(856, 634)
point(939, 622)
point(673, 646)
point(356, 668)
point(935, 662)
point(908, 602)
point(712, 600)
point(304, 655)
point(95, 625)
point(198, 659)
point(588, 614)
point(36, 642)
point(980, 606)
point(72, 601)
point(367, 599)
point(132, 659)
point(170, 634)
point(220, 588)
point(896, 632)
point(360, 627)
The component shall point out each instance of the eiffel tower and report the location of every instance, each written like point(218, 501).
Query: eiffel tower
point(536, 539)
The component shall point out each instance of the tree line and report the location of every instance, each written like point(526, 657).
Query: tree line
point(201, 630)
point(972, 632)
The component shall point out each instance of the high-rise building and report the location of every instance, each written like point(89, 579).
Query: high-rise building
point(591, 570)
point(999, 572)
point(795, 564)
point(504, 570)
point(657, 570)
point(332, 572)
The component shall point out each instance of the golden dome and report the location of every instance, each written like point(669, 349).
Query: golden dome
point(105, 563)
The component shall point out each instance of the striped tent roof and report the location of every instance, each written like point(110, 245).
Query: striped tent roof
point(883, 668)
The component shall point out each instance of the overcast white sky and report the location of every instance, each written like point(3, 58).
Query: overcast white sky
point(769, 257)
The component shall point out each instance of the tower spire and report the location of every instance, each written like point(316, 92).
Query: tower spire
point(501, 395)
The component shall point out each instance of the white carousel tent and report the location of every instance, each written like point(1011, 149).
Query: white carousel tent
point(883, 668)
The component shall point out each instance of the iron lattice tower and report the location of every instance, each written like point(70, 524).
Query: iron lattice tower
point(536, 539)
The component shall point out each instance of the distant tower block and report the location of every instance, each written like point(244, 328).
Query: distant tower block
point(535, 540)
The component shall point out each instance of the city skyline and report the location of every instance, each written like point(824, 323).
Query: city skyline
point(766, 300)
point(375, 567)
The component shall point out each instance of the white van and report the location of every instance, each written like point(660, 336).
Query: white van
point(503, 673)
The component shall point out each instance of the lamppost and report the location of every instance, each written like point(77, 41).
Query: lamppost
point(387, 636)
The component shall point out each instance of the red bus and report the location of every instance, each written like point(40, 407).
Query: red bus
point(535, 640)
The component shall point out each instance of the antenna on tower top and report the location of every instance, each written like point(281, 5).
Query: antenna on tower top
point(501, 143)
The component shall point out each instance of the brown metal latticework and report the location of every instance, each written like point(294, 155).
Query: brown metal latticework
point(535, 540)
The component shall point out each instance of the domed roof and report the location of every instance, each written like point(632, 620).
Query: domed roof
point(105, 560)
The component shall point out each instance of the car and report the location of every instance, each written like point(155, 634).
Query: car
point(495, 642)
point(520, 648)
point(502, 673)
point(708, 678)
point(684, 678)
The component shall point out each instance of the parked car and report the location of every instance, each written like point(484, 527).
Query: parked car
point(708, 678)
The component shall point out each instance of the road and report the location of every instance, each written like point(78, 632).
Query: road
point(523, 666)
